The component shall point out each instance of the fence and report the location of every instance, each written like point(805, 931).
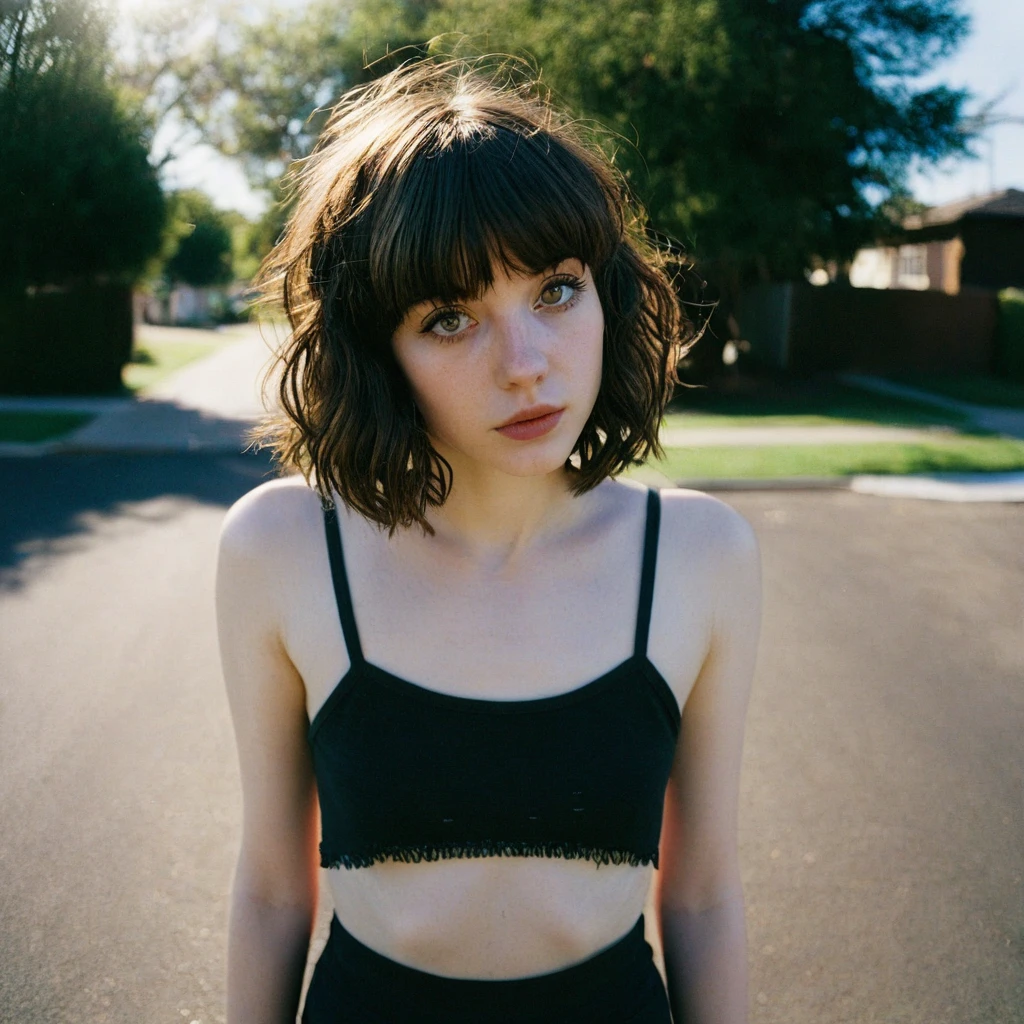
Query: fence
point(810, 329)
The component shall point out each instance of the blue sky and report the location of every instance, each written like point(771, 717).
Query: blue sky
point(989, 63)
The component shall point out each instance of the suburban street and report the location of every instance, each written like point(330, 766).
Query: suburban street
point(771, 251)
point(882, 815)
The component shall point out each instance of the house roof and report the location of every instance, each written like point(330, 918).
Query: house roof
point(1008, 203)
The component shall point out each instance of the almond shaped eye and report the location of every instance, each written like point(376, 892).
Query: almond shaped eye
point(449, 324)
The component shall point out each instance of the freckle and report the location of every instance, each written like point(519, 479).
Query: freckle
point(447, 820)
point(533, 817)
point(577, 808)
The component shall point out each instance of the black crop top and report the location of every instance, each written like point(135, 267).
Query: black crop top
point(411, 774)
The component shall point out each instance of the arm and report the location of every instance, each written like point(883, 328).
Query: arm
point(700, 894)
point(274, 892)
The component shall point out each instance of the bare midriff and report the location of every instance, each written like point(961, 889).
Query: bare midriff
point(492, 918)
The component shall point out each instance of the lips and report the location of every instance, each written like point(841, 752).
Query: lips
point(535, 412)
point(531, 423)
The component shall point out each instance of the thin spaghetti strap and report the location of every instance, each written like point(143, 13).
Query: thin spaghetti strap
point(342, 594)
point(650, 558)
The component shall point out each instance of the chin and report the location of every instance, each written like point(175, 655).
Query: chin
point(523, 465)
point(537, 463)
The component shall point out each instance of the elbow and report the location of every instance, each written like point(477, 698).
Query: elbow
point(291, 889)
point(695, 905)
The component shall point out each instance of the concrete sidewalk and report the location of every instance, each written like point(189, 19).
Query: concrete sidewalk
point(211, 404)
point(207, 406)
point(1009, 422)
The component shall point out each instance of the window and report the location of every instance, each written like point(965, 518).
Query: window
point(913, 267)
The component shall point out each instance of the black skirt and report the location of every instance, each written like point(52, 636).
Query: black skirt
point(354, 985)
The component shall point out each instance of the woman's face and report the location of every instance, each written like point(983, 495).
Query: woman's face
point(527, 347)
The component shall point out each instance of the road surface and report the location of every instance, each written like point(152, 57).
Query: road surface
point(882, 814)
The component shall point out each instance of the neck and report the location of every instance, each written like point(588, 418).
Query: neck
point(494, 519)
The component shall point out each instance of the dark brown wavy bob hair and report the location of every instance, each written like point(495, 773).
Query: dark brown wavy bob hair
point(421, 183)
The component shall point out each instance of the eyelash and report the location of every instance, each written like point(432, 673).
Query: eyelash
point(577, 284)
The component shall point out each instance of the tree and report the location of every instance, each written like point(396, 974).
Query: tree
point(163, 63)
point(202, 249)
point(255, 239)
point(259, 88)
point(760, 135)
point(80, 199)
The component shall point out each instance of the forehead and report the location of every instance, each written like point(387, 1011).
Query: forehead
point(501, 204)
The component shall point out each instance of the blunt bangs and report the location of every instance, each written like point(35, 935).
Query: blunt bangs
point(468, 201)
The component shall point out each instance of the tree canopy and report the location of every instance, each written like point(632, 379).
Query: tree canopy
point(80, 198)
point(202, 251)
point(763, 136)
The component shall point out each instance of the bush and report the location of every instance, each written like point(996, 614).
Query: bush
point(81, 209)
point(40, 353)
point(88, 202)
point(1010, 334)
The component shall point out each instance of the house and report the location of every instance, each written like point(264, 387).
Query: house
point(970, 243)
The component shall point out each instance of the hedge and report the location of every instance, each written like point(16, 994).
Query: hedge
point(1010, 334)
point(65, 341)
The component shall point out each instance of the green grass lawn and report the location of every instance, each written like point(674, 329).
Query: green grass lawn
point(160, 352)
point(979, 388)
point(966, 454)
point(29, 427)
point(798, 403)
point(700, 420)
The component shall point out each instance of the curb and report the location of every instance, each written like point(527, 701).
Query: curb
point(792, 483)
point(28, 449)
point(955, 487)
point(15, 449)
point(94, 404)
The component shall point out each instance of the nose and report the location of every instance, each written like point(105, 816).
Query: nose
point(521, 356)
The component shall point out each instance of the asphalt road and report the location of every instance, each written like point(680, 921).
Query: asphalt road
point(882, 816)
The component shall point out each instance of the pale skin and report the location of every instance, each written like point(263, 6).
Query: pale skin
point(534, 593)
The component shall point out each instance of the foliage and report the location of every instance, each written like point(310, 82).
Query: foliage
point(202, 251)
point(88, 202)
point(1010, 334)
point(253, 240)
point(168, 54)
point(71, 340)
point(760, 135)
point(259, 88)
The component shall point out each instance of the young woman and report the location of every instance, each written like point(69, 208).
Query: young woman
point(500, 686)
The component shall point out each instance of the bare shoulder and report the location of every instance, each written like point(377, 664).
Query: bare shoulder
point(266, 523)
point(713, 550)
point(697, 523)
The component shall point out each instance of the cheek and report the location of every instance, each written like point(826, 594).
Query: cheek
point(419, 373)
point(438, 389)
point(592, 344)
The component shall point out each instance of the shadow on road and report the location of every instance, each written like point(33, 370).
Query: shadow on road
point(53, 504)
